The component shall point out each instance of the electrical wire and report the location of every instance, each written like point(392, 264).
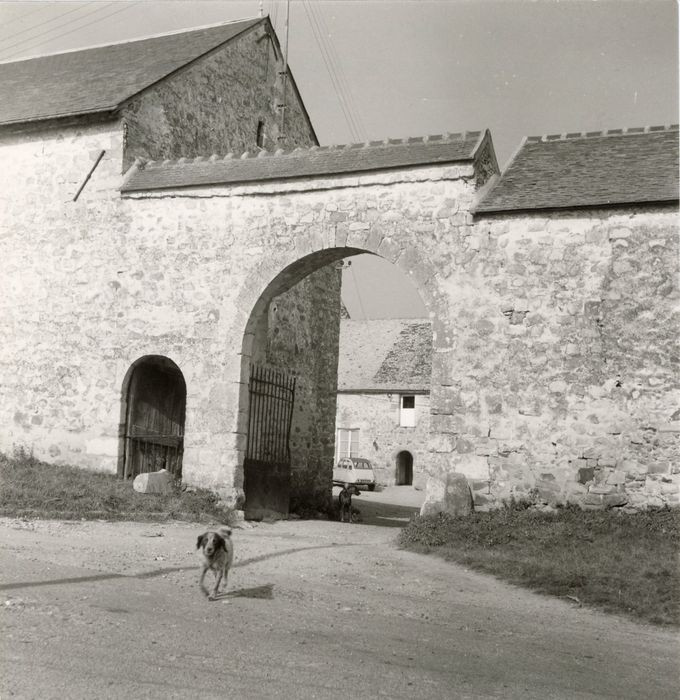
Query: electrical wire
point(337, 65)
point(49, 21)
point(51, 29)
point(361, 305)
point(95, 21)
point(318, 35)
point(319, 40)
point(23, 17)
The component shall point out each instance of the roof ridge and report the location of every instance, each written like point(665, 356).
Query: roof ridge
point(133, 40)
point(439, 139)
point(624, 131)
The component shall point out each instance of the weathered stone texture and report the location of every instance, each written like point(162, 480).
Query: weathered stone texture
point(214, 106)
point(554, 336)
point(381, 438)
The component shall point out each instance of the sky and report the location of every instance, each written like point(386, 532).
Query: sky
point(386, 69)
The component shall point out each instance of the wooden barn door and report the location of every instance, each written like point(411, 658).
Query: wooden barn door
point(267, 462)
point(154, 429)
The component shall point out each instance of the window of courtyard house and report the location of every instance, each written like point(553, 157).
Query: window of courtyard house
point(346, 443)
point(407, 412)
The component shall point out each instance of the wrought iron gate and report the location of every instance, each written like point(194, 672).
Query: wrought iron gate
point(267, 461)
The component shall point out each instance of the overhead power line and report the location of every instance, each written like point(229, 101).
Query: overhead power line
point(75, 29)
point(342, 99)
point(22, 17)
point(55, 18)
point(337, 64)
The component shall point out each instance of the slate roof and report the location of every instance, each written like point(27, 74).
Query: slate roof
point(304, 162)
point(100, 79)
point(386, 356)
point(618, 167)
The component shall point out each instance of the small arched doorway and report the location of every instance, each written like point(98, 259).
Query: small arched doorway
point(154, 395)
point(404, 475)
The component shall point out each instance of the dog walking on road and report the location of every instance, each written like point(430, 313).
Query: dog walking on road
point(218, 555)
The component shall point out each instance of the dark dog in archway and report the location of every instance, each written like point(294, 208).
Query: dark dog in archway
point(345, 501)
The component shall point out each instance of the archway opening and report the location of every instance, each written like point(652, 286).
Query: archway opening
point(288, 383)
point(404, 469)
point(290, 352)
point(153, 409)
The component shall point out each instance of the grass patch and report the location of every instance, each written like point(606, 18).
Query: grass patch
point(617, 562)
point(30, 488)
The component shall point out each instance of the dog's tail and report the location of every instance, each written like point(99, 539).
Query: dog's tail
point(224, 531)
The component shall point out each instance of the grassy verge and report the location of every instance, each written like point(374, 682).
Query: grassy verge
point(623, 563)
point(30, 488)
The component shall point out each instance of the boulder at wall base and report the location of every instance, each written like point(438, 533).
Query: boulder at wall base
point(153, 482)
point(449, 494)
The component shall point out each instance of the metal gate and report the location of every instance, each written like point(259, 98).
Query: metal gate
point(267, 461)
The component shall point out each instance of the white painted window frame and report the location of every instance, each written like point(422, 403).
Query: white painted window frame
point(407, 416)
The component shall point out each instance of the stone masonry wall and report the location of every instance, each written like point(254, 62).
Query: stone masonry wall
point(64, 361)
point(303, 336)
point(573, 395)
point(381, 438)
point(554, 348)
point(214, 106)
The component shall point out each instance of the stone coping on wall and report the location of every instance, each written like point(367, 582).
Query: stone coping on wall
point(317, 161)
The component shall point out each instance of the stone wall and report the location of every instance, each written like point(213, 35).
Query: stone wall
point(382, 438)
point(572, 394)
point(553, 335)
point(304, 329)
point(215, 104)
point(85, 297)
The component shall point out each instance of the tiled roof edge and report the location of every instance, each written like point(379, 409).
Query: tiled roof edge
point(610, 205)
point(299, 151)
point(624, 131)
point(135, 39)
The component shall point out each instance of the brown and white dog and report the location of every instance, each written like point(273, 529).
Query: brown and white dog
point(218, 554)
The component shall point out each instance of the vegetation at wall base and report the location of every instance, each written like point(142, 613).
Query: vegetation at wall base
point(616, 562)
point(30, 488)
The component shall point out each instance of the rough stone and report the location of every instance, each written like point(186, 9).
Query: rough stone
point(449, 494)
point(160, 482)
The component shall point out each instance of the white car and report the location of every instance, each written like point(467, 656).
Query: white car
point(354, 470)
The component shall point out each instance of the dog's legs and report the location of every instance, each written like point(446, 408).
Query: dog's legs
point(200, 582)
point(218, 580)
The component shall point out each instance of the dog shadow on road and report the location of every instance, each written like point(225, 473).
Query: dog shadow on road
point(265, 592)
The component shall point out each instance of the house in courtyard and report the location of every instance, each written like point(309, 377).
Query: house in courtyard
point(383, 410)
point(170, 292)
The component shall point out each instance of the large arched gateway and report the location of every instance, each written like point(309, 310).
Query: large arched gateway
point(551, 294)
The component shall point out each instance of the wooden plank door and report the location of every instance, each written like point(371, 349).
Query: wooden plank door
point(154, 430)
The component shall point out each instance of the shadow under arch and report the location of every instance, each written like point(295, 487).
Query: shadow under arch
point(152, 417)
point(272, 279)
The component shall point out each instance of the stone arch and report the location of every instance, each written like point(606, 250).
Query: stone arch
point(279, 274)
point(152, 417)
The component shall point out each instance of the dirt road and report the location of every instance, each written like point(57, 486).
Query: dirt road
point(313, 610)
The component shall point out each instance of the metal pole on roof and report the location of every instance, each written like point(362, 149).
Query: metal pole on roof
point(285, 74)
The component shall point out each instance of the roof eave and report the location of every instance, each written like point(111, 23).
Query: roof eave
point(504, 211)
point(110, 111)
point(292, 178)
point(392, 389)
